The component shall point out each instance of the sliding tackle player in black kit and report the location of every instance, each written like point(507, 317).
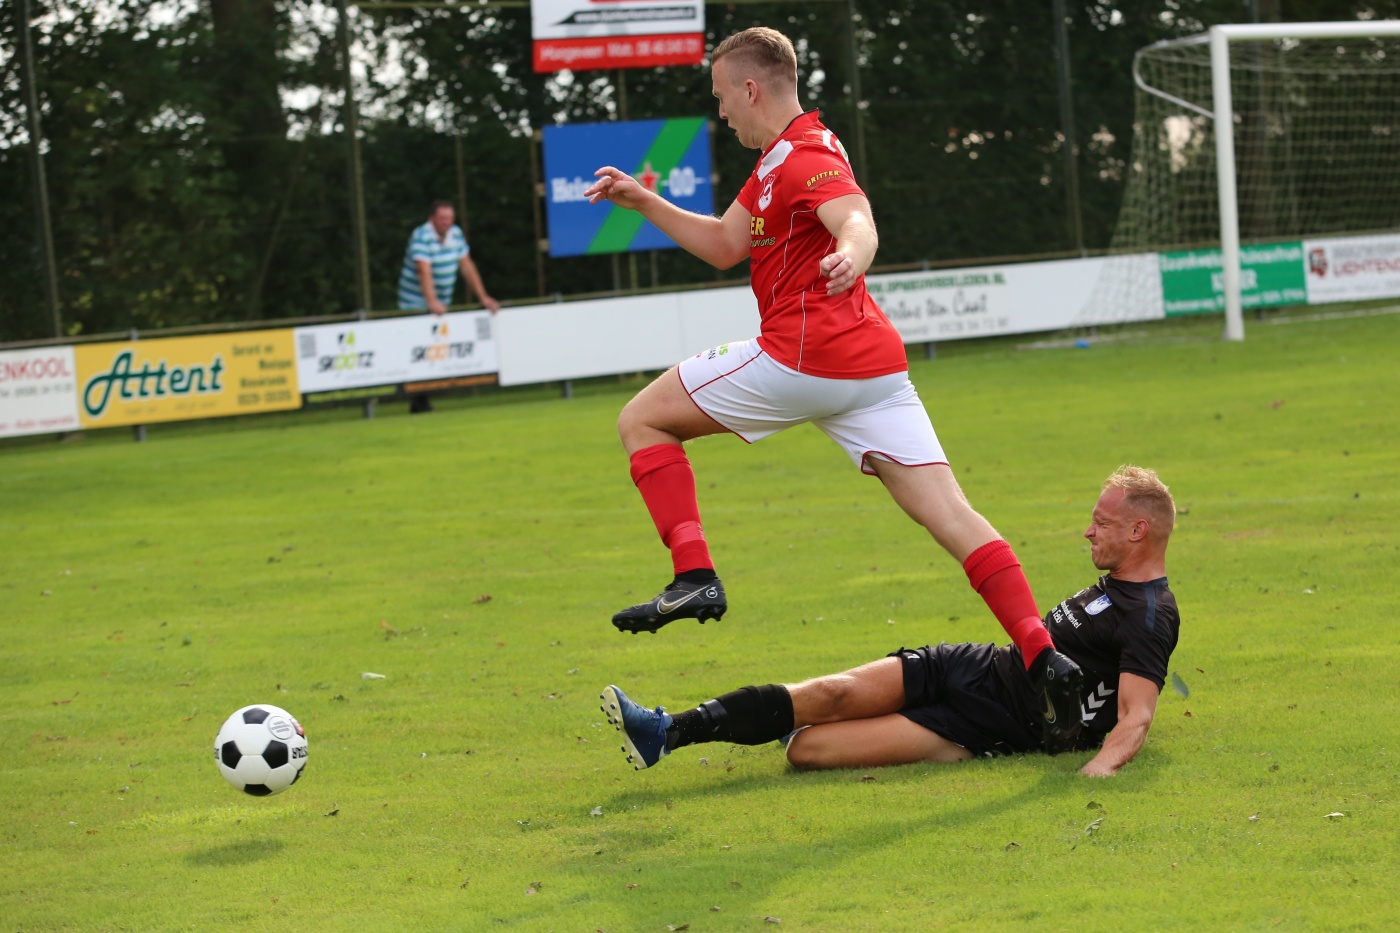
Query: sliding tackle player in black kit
point(954, 702)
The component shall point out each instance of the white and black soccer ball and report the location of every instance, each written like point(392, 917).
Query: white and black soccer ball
point(261, 750)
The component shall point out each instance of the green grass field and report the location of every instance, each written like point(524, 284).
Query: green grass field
point(473, 558)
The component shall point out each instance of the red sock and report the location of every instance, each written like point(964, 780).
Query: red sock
point(995, 574)
point(667, 484)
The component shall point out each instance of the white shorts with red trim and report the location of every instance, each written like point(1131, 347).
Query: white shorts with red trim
point(748, 392)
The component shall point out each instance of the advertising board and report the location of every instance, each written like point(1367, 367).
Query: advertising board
point(420, 352)
point(1270, 276)
point(586, 34)
point(1018, 298)
point(671, 157)
point(1352, 268)
point(38, 391)
point(182, 378)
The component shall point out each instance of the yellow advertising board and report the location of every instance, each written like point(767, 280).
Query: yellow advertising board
point(181, 378)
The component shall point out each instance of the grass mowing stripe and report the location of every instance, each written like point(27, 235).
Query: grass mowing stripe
point(473, 557)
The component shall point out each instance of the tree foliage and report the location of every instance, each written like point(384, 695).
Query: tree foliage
point(197, 157)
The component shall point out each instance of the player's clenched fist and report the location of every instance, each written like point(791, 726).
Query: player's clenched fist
point(840, 270)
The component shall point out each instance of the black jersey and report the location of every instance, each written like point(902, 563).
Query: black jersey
point(1107, 629)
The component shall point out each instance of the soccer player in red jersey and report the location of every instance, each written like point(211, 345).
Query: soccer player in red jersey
point(826, 355)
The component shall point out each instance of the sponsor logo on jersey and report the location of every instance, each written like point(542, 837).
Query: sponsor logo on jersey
point(1095, 701)
point(766, 198)
point(1098, 605)
point(1062, 613)
point(822, 178)
point(756, 225)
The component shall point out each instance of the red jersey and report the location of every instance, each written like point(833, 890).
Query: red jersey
point(842, 337)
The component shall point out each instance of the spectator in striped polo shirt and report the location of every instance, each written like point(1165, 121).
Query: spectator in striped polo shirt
point(436, 250)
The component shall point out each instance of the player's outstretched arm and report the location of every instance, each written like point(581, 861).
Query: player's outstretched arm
point(1137, 704)
point(848, 218)
point(721, 241)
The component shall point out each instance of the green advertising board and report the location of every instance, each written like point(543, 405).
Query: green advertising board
point(1270, 276)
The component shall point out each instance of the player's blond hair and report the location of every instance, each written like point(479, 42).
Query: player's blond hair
point(761, 52)
point(1144, 491)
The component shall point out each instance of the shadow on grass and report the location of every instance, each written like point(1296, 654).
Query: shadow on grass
point(236, 853)
point(1049, 781)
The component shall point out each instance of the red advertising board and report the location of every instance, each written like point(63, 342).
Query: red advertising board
point(590, 34)
point(619, 52)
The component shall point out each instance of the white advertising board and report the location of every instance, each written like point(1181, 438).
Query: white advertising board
point(38, 391)
point(1352, 268)
point(569, 19)
point(715, 316)
point(423, 348)
point(986, 301)
point(578, 339)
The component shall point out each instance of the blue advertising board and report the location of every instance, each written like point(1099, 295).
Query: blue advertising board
point(671, 157)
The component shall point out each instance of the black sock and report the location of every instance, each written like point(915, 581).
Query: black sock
point(699, 575)
point(747, 716)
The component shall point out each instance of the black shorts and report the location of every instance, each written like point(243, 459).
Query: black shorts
point(955, 691)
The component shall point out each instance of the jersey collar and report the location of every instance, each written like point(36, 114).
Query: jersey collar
point(1108, 578)
point(804, 120)
point(778, 150)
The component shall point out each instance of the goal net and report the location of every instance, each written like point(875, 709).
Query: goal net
point(1315, 146)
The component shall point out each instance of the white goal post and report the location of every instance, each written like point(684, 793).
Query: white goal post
point(1222, 115)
